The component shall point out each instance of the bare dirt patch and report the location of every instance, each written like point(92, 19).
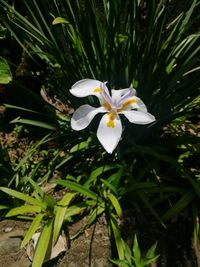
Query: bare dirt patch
point(92, 248)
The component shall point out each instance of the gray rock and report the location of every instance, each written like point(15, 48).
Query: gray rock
point(10, 242)
point(9, 245)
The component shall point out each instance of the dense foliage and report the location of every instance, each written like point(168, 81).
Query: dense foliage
point(153, 175)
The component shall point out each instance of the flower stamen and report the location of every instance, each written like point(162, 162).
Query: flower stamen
point(107, 106)
point(126, 104)
point(111, 118)
point(97, 90)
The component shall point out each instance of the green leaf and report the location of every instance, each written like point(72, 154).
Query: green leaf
point(81, 145)
point(37, 189)
point(32, 229)
point(96, 173)
point(67, 158)
point(95, 213)
point(20, 108)
point(23, 196)
point(75, 209)
point(2, 207)
point(115, 204)
point(179, 205)
point(127, 252)
point(146, 201)
point(60, 214)
point(3, 31)
point(43, 244)
point(136, 252)
point(146, 262)
point(49, 200)
point(59, 20)
point(141, 185)
point(151, 251)
point(117, 236)
point(121, 263)
point(109, 185)
point(41, 124)
point(23, 209)
point(78, 188)
point(5, 73)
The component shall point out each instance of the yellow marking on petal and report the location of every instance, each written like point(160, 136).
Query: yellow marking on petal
point(126, 104)
point(107, 106)
point(97, 90)
point(111, 118)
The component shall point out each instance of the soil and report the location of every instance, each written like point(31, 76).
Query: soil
point(92, 248)
point(11, 232)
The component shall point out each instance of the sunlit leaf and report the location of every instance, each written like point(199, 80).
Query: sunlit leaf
point(115, 204)
point(5, 73)
point(32, 229)
point(23, 209)
point(81, 145)
point(23, 196)
point(60, 214)
point(2, 207)
point(43, 243)
point(59, 20)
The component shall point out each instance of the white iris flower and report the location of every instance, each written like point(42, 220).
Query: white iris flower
point(119, 102)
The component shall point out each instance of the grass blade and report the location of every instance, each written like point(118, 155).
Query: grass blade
point(43, 244)
point(32, 229)
point(24, 197)
point(23, 209)
point(78, 188)
point(60, 214)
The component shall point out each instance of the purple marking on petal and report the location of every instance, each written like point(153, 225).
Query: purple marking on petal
point(125, 97)
point(105, 94)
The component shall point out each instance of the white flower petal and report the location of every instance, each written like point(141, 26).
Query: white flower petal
point(138, 117)
point(133, 103)
point(87, 87)
point(83, 116)
point(139, 105)
point(118, 96)
point(109, 132)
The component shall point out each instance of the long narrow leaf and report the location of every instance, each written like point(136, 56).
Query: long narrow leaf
point(60, 214)
point(23, 196)
point(115, 204)
point(32, 229)
point(43, 244)
point(117, 236)
point(179, 205)
point(23, 209)
point(78, 188)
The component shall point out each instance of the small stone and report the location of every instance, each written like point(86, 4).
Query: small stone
point(8, 229)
